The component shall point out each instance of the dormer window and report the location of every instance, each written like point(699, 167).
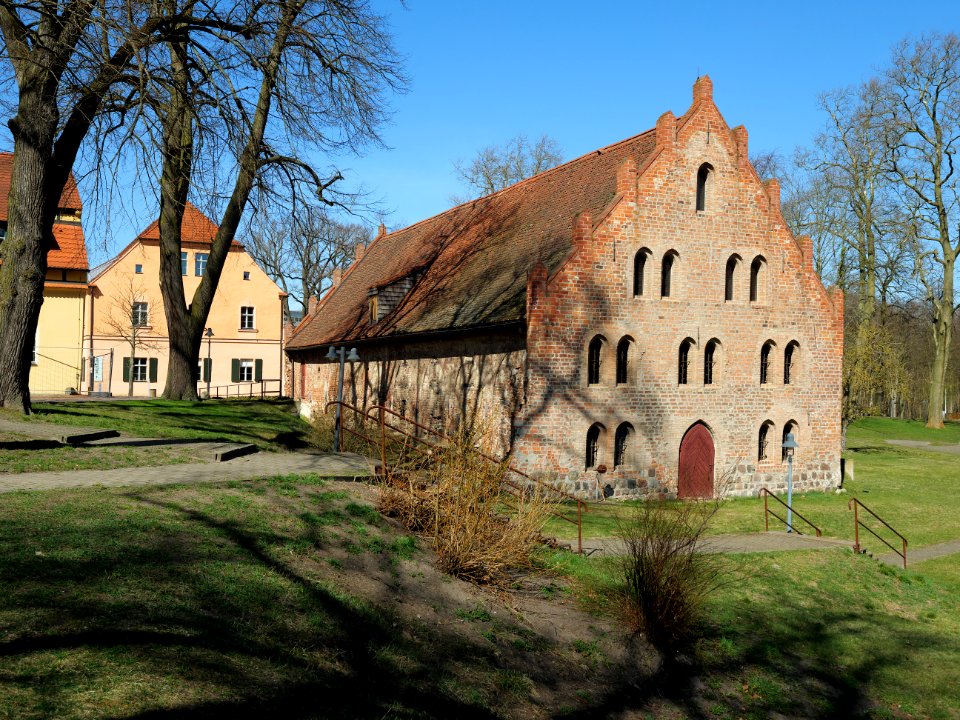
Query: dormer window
point(383, 299)
point(704, 186)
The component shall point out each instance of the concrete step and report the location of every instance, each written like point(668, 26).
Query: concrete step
point(79, 438)
point(229, 451)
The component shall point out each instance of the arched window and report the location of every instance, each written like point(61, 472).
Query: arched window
point(757, 278)
point(765, 362)
point(790, 427)
point(710, 362)
point(593, 446)
point(683, 362)
point(623, 445)
point(594, 355)
point(789, 361)
point(666, 273)
point(623, 360)
point(732, 264)
point(763, 442)
point(704, 186)
point(639, 268)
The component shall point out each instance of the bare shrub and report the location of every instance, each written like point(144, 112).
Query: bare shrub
point(458, 500)
point(667, 576)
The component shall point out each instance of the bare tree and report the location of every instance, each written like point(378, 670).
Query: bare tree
point(64, 62)
point(301, 252)
point(921, 118)
point(131, 318)
point(315, 77)
point(498, 166)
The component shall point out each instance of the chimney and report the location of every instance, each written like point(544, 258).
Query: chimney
point(358, 251)
point(703, 89)
point(335, 277)
point(311, 305)
point(381, 230)
point(772, 186)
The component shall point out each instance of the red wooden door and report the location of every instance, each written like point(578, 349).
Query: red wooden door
point(695, 479)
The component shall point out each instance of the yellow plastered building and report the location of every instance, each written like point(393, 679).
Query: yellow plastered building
point(127, 345)
point(57, 352)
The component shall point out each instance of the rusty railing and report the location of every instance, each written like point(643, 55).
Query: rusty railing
point(767, 512)
point(854, 505)
point(389, 420)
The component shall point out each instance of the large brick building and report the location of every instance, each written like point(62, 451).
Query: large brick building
point(639, 319)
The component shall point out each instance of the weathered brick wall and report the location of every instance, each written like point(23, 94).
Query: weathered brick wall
point(592, 294)
point(438, 383)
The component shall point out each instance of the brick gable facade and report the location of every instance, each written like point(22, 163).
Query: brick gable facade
point(724, 290)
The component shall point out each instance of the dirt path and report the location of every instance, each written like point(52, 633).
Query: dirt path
point(740, 543)
point(924, 445)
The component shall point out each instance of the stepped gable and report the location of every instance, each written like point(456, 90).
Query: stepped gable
point(472, 262)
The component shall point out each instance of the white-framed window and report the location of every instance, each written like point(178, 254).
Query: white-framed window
point(246, 371)
point(200, 263)
point(183, 263)
point(140, 314)
point(246, 318)
point(139, 369)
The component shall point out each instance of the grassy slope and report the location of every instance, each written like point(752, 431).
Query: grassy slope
point(270, 424)
point(812, 634)
point(20, 454)
point(910, 488)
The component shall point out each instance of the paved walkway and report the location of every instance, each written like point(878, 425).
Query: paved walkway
point(924, 445)
point(928, 552)
point(264, 464)
point(744, 543)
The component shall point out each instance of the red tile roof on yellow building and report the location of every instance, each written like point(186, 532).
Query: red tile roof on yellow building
point(472, 261)
point(69, 251)
point(197, 228)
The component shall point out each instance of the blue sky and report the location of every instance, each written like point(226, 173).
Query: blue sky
point(589, 74)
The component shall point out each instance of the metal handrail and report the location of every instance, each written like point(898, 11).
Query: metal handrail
point(215, 389)
point(514, 488)
point(857, 524)
point(767, 512)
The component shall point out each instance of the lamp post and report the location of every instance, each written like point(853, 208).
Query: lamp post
point(333, 354)
point(789, 445)
point(208, 334)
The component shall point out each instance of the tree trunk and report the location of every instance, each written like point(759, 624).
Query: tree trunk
point(185, 336)
point(33, 201)
point(942, 332)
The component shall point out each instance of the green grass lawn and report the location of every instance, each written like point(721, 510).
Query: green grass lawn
point(911, 488)
point(812, 634)
point(19, 454)
point(270, 424)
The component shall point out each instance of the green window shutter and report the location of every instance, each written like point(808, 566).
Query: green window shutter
point(257, 370)
point(154, 362)
point(207, 367)
point(126, 369)
point(235, 370)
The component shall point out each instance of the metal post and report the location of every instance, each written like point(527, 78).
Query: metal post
point(856, 526)
point(383, 445)
point(579, 528)
point(790, 493)
point(766, 511)
point(209, 334)
point(336, 418)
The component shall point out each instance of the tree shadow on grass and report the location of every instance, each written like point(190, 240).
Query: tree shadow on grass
point(214, 602)
point(785, 662)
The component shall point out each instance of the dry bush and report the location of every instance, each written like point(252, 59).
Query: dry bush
point(479, 531)
point(667, 577)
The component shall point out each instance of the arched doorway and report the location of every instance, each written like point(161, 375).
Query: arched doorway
point(695, 477)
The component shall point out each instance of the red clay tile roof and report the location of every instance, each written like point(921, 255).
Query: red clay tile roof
point(475, 257)
point(69, 199)
point(197, 227)
point(69, 251)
